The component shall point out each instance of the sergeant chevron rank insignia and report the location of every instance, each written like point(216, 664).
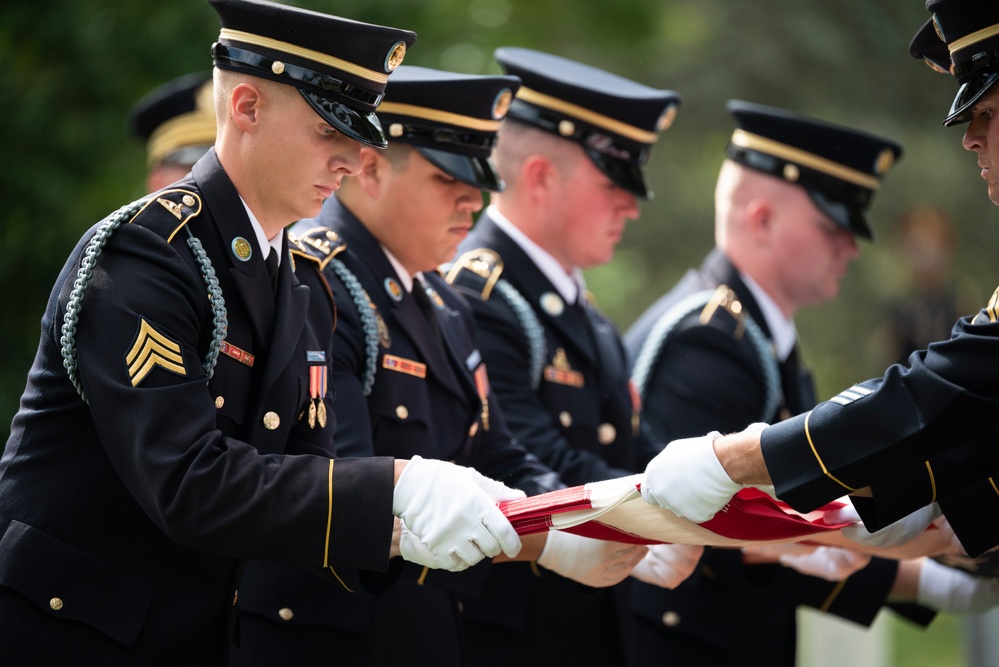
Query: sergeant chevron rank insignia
point(152, 349)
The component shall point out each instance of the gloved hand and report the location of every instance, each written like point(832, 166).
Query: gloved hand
point(449, 515)
point(951, 590)
point(596, 563)
point(667, 565)
point(829, 563)
point(891, 535)
point(687, 479)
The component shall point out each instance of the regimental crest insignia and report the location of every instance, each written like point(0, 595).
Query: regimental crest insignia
point(152, 349)
point(560, 372)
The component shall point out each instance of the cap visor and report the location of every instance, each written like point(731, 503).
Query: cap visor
point(967, 95)
point(476, 171)
point(849, 219)
point(624, 174)
point(362, 127)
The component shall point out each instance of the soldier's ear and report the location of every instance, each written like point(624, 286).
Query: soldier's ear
point(371, 175)
point(759, 213)
point(244, 105)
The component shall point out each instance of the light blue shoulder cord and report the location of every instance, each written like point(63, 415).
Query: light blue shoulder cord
point(368, 322)
point(83, 276)
point(662, 328)
point(532, 329)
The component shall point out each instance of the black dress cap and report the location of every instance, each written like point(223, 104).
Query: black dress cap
point(927, 46)
point(615, 120)
point(176, 120)
point(969, 31)
point(451, 119)
point(840, 168)
point(339, 66)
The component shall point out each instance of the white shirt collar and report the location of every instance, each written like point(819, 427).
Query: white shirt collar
point(568, 285)
point(781, 328)
point(265, 244)
point(400, 270)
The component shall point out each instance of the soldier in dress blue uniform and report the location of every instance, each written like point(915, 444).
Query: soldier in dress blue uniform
point(783, 242)
point(177, 417)
point(571, 152)
point(177, 123)
point(408, 375)
point(923, 434)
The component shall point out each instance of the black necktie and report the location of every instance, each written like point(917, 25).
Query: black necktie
point(272, 269)
point(429, 312)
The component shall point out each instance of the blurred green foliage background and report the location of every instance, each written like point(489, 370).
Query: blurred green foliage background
point(72, 68)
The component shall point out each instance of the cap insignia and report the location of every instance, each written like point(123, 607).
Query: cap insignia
point(884, 162)
point(666, 120)
point(242, 249)
point(502, 103)
point(277, 67)
point(395, 56)
point(936, 27)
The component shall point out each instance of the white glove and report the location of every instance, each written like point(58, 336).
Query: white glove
point(687, 479)
point(891, 535)
point(596, 563)
point(667, 565)
point(951, 590)
point(449, 515)
point(829, 563)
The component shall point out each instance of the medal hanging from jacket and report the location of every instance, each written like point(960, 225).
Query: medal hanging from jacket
point(482, 386)
point(317, 388)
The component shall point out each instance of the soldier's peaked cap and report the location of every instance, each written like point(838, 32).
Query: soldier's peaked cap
point(451, 119)
point(339, 66)
point(176, 120)
point(840, 168)
point(969, 31)
point(616, 121)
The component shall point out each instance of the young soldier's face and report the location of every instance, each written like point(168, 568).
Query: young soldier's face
point(302, 159)
point(982, 136)
point(428, 213)
point(594, 213)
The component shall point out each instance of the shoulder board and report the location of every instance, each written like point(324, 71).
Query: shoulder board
point(319, 245)
point(476, 271)
point(722, 301)
point(168, 211)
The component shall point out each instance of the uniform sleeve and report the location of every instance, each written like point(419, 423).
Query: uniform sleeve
point(878, 428)
point(505, 349)
point(138, 342)
point(970, 513)
point(967, 464)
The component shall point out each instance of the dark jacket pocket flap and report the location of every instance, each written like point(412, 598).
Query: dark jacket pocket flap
point(69, 583)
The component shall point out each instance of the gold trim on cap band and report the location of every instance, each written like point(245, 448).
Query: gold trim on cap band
point(591, 117)
point(973, 38)
point(439, 116)
point(302, 52)
point(754, 142)
point(190, 129)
